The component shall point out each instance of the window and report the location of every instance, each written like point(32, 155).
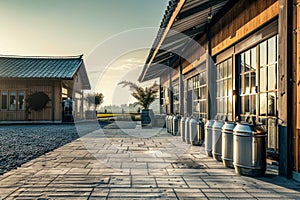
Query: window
point(21, 100)
point(258, 86)
point(4, 100)
point(202, 95)
point(267, 70)
point(12, 100)
point(224, 88)
point(248, 67)
point(176, 96)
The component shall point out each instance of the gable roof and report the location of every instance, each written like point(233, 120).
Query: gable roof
point(182, 17)
point(39, 67)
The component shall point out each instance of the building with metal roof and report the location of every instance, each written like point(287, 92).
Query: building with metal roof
point(235, 59)
point(58, 79)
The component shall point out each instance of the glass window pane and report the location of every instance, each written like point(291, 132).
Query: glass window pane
point(253, 105)
point(229, 86)
point(196, 94)
point(247, 105)
point(253, 58)
point(272, 134)
point(247, 61)
point(221, 105)
point(4, 100)
point(229, 103)
point(247, 83)
point(263, 54)
point(221, 88)
point(222, 70)
point(12, 101)
point(225, 87)
point(263, 79)
point(225, 105)
point(203, 93)
point(229, 67)
point(272, 77)
point(243, 104)
point(242, 87)
point(241, 62)
point(253, 82)
point(263, 104)
point(272, 50)
point(218, 89)
point(271, 104)
point(21, 100)
point(225, 69)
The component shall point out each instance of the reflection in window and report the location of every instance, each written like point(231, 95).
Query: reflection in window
point(263, 79)
point(272, 77)
point(224, 88)
point(4, 100)
point(248, 83)
point(21, 99)
point(271, 103)
point(263, 53)
point(199, 95)
point(263, 104)
point(12, 100)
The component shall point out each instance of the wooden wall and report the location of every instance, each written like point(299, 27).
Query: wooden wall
point(51, 87)
point(296, 84)
point(235, 24)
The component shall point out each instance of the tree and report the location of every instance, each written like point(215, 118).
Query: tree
point(144, 96)
point(94, 100)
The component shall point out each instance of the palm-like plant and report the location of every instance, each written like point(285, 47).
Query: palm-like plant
point(144, 96)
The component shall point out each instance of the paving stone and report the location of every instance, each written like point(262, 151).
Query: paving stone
point(114, 165)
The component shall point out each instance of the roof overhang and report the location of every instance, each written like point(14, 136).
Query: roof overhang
point(183, 20)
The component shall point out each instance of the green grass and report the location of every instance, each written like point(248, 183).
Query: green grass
point(119, 116)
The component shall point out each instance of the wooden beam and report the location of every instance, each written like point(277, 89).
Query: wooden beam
point(285, 90)
point(166, 30)
point(296, 83)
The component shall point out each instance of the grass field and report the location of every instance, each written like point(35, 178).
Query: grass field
point(132, 116)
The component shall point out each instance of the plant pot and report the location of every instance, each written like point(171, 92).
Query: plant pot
point(147, 118)
point(90, 114)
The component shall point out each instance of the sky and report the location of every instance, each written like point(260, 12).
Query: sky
point(74, 27)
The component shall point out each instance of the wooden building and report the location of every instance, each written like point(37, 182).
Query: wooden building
point(243, 61)
point(57, 78)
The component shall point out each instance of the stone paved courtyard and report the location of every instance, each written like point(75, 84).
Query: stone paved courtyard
point(136, 164)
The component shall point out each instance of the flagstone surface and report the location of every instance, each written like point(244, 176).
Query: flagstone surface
point(136, 164)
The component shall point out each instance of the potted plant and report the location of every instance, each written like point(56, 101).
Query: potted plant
point(144, 96)
point(94, 100)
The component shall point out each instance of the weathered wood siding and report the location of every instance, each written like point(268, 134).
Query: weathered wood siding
point(30, 87)
point(235, 24)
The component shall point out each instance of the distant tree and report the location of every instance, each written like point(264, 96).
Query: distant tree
point(144, 96)
point(94, 100)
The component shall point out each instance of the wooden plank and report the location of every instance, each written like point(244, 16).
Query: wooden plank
point(243, 24)
point(296, 85)
point(284, 88)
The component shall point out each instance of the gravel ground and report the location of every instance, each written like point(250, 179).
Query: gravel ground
point(21, 143)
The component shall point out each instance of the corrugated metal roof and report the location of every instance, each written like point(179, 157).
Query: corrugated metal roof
point(191, 20)
point(39, 67)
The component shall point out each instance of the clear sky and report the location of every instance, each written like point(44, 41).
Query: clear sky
point(73, 27)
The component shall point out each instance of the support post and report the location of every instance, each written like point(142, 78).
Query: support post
point(285, 45)
point(181, 87)
point(211, 75)
point(170, 90)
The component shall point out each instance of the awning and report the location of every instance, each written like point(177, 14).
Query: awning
point(191, 17)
